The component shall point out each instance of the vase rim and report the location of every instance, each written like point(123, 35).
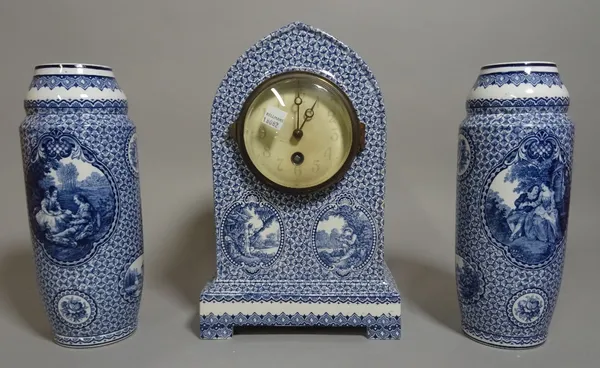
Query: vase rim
point(88, 69)
point(73, 65)
point(519, 64)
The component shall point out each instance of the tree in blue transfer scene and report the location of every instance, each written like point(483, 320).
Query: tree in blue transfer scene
point(496, 212)
point(249, 236)
point(98, 183)
point(67, 175)
point(349, 245)
point(529, 174)
point(38, 181)
point(95, 180)
point(46, 182)
point(268, 217)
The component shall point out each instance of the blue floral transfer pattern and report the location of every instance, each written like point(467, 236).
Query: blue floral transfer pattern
point(527, 307)
point(75, 308)
point(305, 270)
point(107, 106)
point(516, 105)
point(365, 181)
point(85, 215)
point(74, 81)
point(511, 215)
point(518, 78)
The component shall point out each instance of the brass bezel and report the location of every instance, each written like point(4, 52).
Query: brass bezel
point(236, 131)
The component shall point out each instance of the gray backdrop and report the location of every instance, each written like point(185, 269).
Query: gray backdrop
point(169, 56)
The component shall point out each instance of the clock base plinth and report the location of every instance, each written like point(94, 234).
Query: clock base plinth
point(220, 325)
point(373, 305)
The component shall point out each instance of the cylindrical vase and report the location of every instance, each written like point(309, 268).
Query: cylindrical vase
point(515, 152)
point(80, 164)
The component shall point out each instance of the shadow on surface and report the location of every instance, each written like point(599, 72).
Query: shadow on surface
point(431, 289)
point(192, 261)
point(309, 330)
point(19, 286)
point(195, 324)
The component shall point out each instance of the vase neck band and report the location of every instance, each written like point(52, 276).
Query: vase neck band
point(515, 87)
point(74, 86)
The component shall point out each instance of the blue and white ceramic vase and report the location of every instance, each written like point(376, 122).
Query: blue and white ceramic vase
point(515, 151)
point(83, 199)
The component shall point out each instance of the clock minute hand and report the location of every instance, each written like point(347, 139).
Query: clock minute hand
point(298, 102)
point(308, 114)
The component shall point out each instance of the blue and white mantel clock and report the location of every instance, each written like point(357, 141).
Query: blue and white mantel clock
point(298, 134)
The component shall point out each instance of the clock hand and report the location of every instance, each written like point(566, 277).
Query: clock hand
point(308, 114)
point(297, 133)
point(298, 102)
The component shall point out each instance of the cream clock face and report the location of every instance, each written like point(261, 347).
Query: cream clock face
point(300, 132)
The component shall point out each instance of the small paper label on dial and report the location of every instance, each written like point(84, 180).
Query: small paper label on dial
point(274, 117)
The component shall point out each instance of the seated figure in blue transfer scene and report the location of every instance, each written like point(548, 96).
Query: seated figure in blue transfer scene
point(524, 205)
point(535, 216)
point(81, 225)
point(62, 226)
point(543, 225)
point(51, 217)
point(531, 226)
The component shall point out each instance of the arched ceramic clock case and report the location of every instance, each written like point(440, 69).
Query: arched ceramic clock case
point(298, 133)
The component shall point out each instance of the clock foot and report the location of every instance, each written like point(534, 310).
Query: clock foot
point(385, 329)
point(216, 328)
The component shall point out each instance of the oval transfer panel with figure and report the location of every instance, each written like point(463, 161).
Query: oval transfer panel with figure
point(526, 205)
point(72, 200)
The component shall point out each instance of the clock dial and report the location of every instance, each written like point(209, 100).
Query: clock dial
point(299, 132)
